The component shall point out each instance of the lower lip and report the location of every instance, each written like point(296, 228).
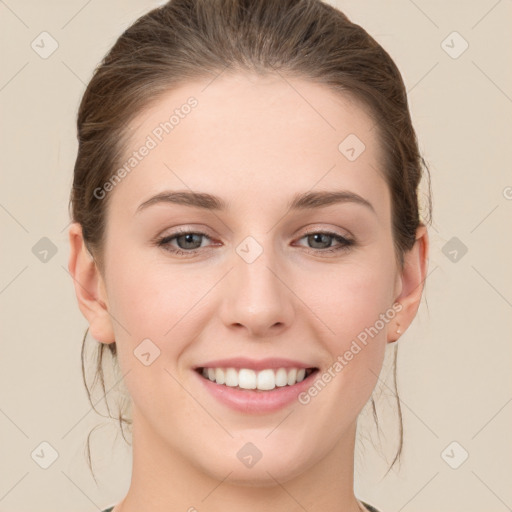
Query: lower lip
point(255, 401)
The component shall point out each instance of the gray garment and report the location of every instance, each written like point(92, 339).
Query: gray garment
point(369, 507)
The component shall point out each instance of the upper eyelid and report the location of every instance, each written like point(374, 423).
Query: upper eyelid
point(326, 231)
point(204, 231)
point(182, 232)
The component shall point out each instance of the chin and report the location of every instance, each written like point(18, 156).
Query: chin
point(273, 466)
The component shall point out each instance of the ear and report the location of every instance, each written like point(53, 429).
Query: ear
point(410, 282)
point(89, 287)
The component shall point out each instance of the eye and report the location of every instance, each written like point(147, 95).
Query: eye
point(321, 241)
point(188, 242)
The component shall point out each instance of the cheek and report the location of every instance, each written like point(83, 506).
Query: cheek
point(152, 299)
point(349, 298)
point(154, 321)
point(355, 299)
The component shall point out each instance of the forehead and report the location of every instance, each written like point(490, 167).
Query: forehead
point(273, 135)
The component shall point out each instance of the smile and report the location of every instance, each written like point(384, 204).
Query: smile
point(249, 379)
point(255, 386)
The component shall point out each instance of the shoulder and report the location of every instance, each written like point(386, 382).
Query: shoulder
point(369, 507)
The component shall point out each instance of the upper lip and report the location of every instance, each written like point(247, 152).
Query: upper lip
point(254, 364)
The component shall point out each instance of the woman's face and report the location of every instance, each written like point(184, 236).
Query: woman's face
point(267, 281)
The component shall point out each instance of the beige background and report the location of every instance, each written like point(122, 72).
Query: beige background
point(454, 363)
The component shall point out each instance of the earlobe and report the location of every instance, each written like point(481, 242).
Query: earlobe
point(412, 279)
point(89, 287)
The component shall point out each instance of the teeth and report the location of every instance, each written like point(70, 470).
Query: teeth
point(220, 376)
point(231, 378)
point(247, 379)
point(292, 377)
point(281, 378)
point(264, 380)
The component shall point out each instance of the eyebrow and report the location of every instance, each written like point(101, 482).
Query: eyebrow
point(304, 201)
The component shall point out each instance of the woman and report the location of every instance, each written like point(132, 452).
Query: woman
point(246, 243)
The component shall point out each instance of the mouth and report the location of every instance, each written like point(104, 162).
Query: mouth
point(264, 380)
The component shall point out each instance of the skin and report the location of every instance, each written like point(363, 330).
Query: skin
point(252, 141)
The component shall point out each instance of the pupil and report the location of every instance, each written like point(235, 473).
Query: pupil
point(189, 239)
point(317, 238)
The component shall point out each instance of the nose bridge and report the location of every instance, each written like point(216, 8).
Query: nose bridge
point(254, 295)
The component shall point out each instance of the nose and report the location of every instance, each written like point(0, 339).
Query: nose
point(256, 297)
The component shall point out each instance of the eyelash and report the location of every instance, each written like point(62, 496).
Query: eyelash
point(164, 242)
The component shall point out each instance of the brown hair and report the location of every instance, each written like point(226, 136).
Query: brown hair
point(190, 39)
